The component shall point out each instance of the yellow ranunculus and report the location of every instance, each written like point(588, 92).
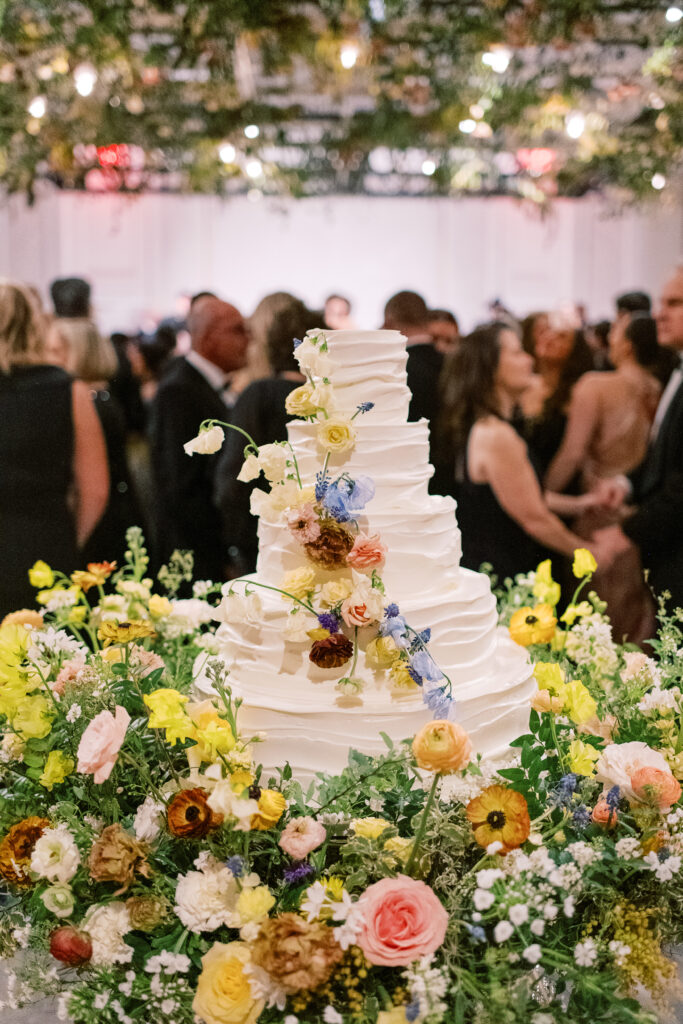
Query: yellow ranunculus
point(32, 718)
point(213, 734)
point(224, 994)
point(578, 702)
point(396, 1015)
point(381, 652)
point(253, 904)
point(545, 588)
point(582, 758)
point(57, 766)
point(159, 607)
point(575, 611)
point(401, 679)
point(271, 807)
point(336, 435)
point(299, 402)
point(298, 582)
point(335, 591)
point(369, 828)
point(549, 676)
point(584, 564)
point(41, 575)
point(533, 625)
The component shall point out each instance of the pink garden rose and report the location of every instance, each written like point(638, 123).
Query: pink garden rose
point(303, 523)
point(402, 921)
point(301, 836)
point(367, 553)
point(101, 742)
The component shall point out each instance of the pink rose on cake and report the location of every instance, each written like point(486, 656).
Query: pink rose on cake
point(363, 606)
point(402, 921)
point(367, 553)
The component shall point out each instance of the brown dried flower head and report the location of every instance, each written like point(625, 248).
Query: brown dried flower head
point(16, 849)
point(332, 652)
point(116, 856)
point(297, 953)
point(189, 816)
point(147, 912)
point(331, 546)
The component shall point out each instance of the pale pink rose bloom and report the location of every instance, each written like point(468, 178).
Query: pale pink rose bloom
point(301, 836)
point(68, 673)
point(101, 742)
point(303, 523)
point(367, 553)
point(363, 606)
point(147, 660)
point(403, 921)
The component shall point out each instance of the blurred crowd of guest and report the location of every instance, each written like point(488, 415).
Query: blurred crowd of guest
point(550, 432)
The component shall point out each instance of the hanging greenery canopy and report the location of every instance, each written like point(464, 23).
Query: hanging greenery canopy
point(390, 97)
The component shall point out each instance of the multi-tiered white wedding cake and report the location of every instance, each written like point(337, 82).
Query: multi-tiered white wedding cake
point(310, 719)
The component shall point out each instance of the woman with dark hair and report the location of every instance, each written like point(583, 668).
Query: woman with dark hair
point(260, 411)
point(504, 517)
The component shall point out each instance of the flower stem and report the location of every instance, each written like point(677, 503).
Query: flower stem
point(266, 586)
point(423, 824)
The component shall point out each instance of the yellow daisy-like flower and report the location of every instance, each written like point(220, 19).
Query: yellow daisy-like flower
point(582, 758)
point(584, 563)
point(271, 807)
point(499, 815)
point(578, 702)
point(124, 632)
point(545, 588)
point(533, 625)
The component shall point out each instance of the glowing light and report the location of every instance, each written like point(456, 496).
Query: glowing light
point(38, 107)
point(658, 182)
point(498, 60)
point(226, 152)
point(428, 167)
point(575, 124)
point(467, 126)
point(477, 111)
point(536, 161)
point(349, 55)
point(85, 78)
point(252, 131)
point(673, 15)
point(254, 168)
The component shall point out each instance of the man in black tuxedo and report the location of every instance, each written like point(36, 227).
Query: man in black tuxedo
point(190, 391)
point(656, 487)
point(407, 312)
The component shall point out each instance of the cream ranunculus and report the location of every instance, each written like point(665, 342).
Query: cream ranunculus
point(335, 591)
point(298, 582)
point(240, 608)
point(206, 442)
point(381, 652)
point(619, 762)
point(224, 994)
point(336, 435)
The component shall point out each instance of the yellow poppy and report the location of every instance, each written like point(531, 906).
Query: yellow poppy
point(533, 625)
point(499, 815)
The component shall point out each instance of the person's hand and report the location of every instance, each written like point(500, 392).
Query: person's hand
point(607, 544)
point(611, 492)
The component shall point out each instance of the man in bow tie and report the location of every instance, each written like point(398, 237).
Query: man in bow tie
point(651, 498)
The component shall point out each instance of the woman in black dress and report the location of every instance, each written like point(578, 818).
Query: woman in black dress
point(53, 464)
point(504, 517)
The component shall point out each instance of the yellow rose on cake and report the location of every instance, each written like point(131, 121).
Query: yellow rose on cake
point(336, 435)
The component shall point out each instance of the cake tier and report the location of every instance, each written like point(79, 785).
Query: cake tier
point(394, 455)
point(424, 546)
point(370, 366)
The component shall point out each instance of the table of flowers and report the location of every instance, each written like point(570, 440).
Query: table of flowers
point(149, 873)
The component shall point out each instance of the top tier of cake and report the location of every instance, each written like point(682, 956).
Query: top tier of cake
point(369, 365)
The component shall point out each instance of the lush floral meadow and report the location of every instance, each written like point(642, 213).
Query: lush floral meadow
point(151, 872)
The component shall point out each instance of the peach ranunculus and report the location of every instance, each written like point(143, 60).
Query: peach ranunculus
point(367, 553)
point(68, 673)
point(101, 742)
point(618, 762)
point(603, 727)
point(301, 836)
point(402, 921)
point(652, 785)
point(442, 746)
point(604, 815)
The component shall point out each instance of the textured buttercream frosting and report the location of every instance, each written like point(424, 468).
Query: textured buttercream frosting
point(307, 722)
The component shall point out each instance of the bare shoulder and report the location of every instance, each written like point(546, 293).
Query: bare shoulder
point(496, 435)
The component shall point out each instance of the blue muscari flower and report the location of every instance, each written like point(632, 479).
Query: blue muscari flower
point(415, 676)
point(564, 789)
point(612, 797)
point(425, 666)
point(477, 933)
point(412, 1010)
point(297, 342)
point(421, 639)
point(365, 407)
point(322, 482)
point(438, 701)
point(581, 818)
point(391, 611)
point(236, 865)
point(298, 872)
point(329, 621)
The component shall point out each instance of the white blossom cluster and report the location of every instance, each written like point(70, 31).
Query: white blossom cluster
point(590, 641)
point(428, 986)
point(461, 788)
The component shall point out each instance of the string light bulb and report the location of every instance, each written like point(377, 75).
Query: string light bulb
point(254, 168)
point(226, 152)
point(85, 78)
point(673, 15)
point(498, 59)
point(658, 182)
point(467, 126)
point(348, 55)
point(428, 167)
point(575, 124)
point(252, 131)
point(38, 107)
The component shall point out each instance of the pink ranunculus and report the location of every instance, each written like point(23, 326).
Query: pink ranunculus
point(367, 553)
point(301, 836)
point(402, 921)
point(101, 742)
point(68, 673)
point(653, 784)
point(303, 523)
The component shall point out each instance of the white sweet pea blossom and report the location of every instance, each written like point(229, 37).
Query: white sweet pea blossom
point(272, 458)
point(250, 468)
point(206, 442)
point(240, 608)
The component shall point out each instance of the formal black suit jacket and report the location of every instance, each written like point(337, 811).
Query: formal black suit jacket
point(657, 527)
point(188, 517)
point(423, 370)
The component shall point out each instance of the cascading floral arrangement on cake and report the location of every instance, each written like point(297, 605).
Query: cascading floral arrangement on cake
point(359, 620)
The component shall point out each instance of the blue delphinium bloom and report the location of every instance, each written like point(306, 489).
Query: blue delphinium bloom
point(297, 342)
point(344, 497)
point(395, 627)
point(365, 407)
point(391, 611)
point(562, 794)
point(322, 482)
point(425, 666)
point(412, 1010)
point(581, 818)
point(236, 865)
point(329, 621)
point(612, 797)
point(438, 701)
point(298, 872)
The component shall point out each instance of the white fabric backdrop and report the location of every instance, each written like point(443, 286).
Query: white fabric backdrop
point(141, 252)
